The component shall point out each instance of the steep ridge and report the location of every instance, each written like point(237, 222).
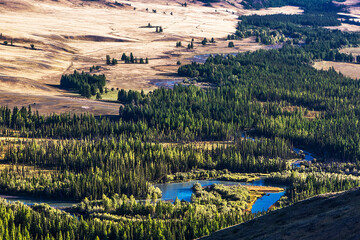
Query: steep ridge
point(327, 216)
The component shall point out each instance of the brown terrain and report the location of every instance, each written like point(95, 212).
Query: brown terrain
point(329, 217)
point(75, 34)
point(348, 69)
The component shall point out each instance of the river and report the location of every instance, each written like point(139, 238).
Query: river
point(32, 200)
point(183, 191)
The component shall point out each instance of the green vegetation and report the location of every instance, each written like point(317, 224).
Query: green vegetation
point(86, 84)
point(123, 166)
point(313, 6)
point(198, 174)
point(222, 196)
point(132, 59)
point(94, 68)
point(307, 184)
point(108, 162)
point(285, 76)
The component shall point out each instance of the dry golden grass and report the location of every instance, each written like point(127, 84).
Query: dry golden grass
point(73, 34)
point(257, 192)
point(353, 50)
point(209, 145)
point(348, 2)
point(264, 189)
point(348, 69)
point(346, 28)
point(354, 11)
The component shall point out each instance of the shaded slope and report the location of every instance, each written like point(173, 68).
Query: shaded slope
point(328, 216)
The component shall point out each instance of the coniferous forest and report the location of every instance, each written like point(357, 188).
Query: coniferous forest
point(259, 106)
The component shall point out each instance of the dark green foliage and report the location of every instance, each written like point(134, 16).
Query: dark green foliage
point(191, 45)
point(204, 41)
point(84, 83)
point(307, 184)
point(279, 20)
point(124, 166)
point(123, 57)
point(42, 222)
point(309, 6)
point(108, 60)
point(284, 76)
point(133, 60)
point(267, 93)
point(93, 68)
point(273, 29)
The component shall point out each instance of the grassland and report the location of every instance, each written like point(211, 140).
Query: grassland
point(73, 34)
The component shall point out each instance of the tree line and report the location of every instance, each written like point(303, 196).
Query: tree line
point(84, 83)
point(91, 168)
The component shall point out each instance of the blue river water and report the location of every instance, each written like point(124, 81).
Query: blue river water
point(31, 201)
point(183, 191)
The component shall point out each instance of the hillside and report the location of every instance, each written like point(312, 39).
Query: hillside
point(328, 216)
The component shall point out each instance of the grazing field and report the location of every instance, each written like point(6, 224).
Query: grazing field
point(41, 40)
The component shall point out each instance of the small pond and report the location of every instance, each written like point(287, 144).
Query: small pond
point(167, 83)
